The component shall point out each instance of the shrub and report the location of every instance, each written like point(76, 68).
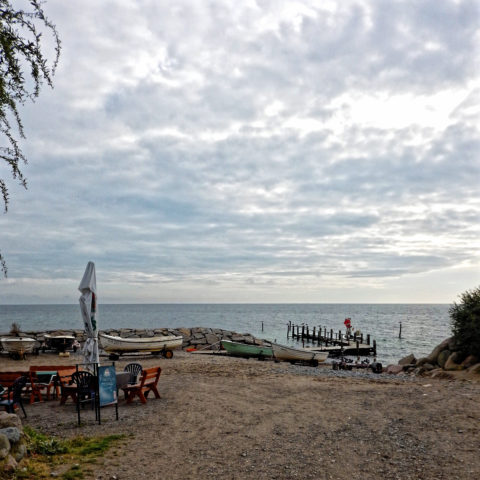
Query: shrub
point(465, 322)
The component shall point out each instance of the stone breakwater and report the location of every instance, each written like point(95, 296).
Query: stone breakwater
point(198, 337)
point(441, 363)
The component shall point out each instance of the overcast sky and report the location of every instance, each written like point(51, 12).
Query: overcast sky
point(252, 151)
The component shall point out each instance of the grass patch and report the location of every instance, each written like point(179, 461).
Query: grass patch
point(64, 457)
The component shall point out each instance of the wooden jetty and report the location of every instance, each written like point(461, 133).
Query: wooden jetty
point(335, 343)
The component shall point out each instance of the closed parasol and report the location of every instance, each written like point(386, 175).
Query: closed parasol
point(88, 307)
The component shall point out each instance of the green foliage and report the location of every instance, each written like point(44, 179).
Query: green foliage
point(40, 444)
point(47, 454)
point(465, 321)
point(23, 70)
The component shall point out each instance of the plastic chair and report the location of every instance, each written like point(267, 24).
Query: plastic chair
point(15, 396)
point(134, 369)
point(85, 387)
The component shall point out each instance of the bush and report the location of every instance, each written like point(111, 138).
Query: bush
point(465, 321)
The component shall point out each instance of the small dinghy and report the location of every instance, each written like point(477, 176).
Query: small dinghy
point(289, 354)
point(116, 346)
point(17, 347)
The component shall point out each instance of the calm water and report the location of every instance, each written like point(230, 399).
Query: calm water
point(423, 326)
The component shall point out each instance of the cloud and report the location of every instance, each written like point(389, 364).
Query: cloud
point(219, 149)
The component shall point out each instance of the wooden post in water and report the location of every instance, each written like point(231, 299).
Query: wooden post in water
point(298, 329)
point(303, 331)
point(368, 339)
point(340, 337)
point(262, 326)
point(313, 334)
point(308, 333)
point(331, 334)
point(375, 347)
point(361, 337)
point(400, 332)
point(357, 344)
point(319, 334)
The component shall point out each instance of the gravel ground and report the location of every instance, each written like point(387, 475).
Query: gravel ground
point(230, 418)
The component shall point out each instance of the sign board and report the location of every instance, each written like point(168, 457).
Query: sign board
point(107, 385)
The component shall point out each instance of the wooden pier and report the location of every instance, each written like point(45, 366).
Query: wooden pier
point(335, 343)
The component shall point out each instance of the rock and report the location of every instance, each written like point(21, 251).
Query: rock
point(451, 363)
point(394, 369)
point(469, 361)
point(422, 361)
point(428, 367)
point(185, 332)
point(474, 369)
point(443, 357)
point(211, 338)
point(19, 451)
point(440, 373)
point(10, 420)
point(4, 446)
point(13, 434)
point(9, 464)
point(432, 358)
point(408, 360)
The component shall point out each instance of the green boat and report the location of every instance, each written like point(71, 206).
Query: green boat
point(247, 350)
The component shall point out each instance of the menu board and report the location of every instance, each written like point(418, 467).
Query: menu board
point(107, 385)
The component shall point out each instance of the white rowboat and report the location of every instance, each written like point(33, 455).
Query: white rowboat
point(18, 346)
point(289, 354)
point(119, 345)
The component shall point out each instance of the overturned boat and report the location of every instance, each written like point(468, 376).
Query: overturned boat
point(163, 345)
point(247, 350)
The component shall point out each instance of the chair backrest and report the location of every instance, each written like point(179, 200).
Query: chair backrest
point(150, 375)
point(134, 369)
point(83, 380)
point(17, 387)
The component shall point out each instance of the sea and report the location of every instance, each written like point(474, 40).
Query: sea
point(423, 326)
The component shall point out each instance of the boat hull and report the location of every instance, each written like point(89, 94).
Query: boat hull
point(18, 346)
point(112, 344)
point(59, 342)
point(288, 354)
point(247, 350)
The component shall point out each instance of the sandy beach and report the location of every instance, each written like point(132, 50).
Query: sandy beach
point(230, 418)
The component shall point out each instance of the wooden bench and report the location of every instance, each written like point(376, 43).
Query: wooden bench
point(45, 377)
point(6, 381)
point(148, 383)
point(7, 378)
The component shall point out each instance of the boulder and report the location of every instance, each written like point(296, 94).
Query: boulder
point(470, 360)
point(10, 420)
point(443, 357)
point(408, 360)
point(422, 361)
point(394, 369)
point(13, 434)
point(211, 338)
point(440, 373)
point(451, 363)
point(4, 446)
point(432, 358)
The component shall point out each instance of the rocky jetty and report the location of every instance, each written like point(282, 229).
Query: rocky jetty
point(198, 337)
point(441, 363)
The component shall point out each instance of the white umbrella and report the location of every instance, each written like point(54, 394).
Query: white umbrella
point(88, 307)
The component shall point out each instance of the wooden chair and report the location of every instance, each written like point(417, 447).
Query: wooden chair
point(65, 383)
point(148, 383)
